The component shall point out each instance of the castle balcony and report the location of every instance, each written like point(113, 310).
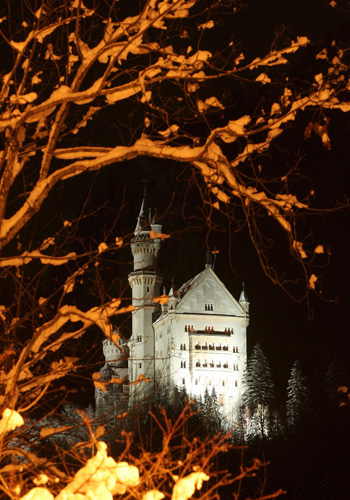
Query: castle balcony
point(212, 347)
point(208, 330)
point(212, 364)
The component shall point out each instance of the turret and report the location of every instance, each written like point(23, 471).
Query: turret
point(172, 298)
point(164, 306)
point(243, 300)
point(145, 246)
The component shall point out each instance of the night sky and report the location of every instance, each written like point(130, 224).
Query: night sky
point(313, 331)
point(290, 322)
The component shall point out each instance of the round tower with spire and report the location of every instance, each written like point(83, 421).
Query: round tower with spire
point(144, 282)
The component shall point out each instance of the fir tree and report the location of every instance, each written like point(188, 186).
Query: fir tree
point(211, 411)
point(298, 396)
point(258, 390)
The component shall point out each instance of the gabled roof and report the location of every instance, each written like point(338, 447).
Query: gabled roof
point(206, 288)
point(186, 287)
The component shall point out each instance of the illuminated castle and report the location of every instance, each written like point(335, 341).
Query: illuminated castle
point(194, 339)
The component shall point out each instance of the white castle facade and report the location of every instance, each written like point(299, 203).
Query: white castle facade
point(193, 338)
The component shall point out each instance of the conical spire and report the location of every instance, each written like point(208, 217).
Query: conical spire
point(144, 218)
point(172, 297)
point(172, 289)
point(243, 297)
point(243, 300)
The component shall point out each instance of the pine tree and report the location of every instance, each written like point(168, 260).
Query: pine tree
point(298, 396)
point(258, 389)
point(210, 410)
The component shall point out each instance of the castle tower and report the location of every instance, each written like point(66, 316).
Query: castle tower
point(144, 282)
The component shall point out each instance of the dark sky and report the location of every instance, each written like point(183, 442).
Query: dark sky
point(281, 325)
point(314, 331)
point(284, 327)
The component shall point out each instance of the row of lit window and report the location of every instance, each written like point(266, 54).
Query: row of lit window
point(211, 365)
point(223, 383)
point(208, 329)
point(209, 307)
point(212, 347)
point(139, 338)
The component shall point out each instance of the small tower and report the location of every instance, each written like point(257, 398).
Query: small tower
point(243, 300)
point(144, 282)
point(172, 298)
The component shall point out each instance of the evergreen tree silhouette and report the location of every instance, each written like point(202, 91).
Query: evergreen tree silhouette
point(298, 396)
point(258, 391)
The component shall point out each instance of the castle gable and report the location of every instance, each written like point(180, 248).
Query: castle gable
point(205, 293)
